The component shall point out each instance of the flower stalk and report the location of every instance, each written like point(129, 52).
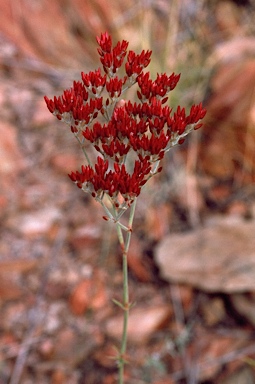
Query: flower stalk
point(130, 138)
point(125, 304)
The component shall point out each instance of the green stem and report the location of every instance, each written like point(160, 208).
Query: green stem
point(81, 142)
point(126, 305)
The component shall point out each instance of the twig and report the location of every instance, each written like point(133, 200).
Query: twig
point(22, 357)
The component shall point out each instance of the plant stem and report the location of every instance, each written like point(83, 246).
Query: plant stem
point(125, 318)
point(125, 305)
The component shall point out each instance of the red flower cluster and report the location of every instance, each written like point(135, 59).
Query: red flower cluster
point(95, 111)
point(114, 181)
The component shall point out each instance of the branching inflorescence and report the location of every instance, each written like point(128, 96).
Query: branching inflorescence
point(131, 138)
point(95, 110)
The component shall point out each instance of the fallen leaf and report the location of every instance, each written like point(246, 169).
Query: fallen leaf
point(228, 136)
point(18, 266)
point(136, 262)
point(89, 293)
point(142, 323)
point(11, 159)
point(9, 289)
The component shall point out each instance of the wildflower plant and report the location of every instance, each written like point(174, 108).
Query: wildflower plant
point(131, 138)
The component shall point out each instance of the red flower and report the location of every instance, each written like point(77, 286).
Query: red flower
point(101, 180)
point(136, 63)
point(114, 87)
point(122, 131)
point(111, 58)
point(180, 121)
point(94, 81)
point(158, 88)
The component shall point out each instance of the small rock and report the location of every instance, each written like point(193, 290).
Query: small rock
point(38, 223)
point(216, 258)
point(46, 348)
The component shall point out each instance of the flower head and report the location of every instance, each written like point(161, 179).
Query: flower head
point(122, 132)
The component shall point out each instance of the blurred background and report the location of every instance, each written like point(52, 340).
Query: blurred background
point(192, 268)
